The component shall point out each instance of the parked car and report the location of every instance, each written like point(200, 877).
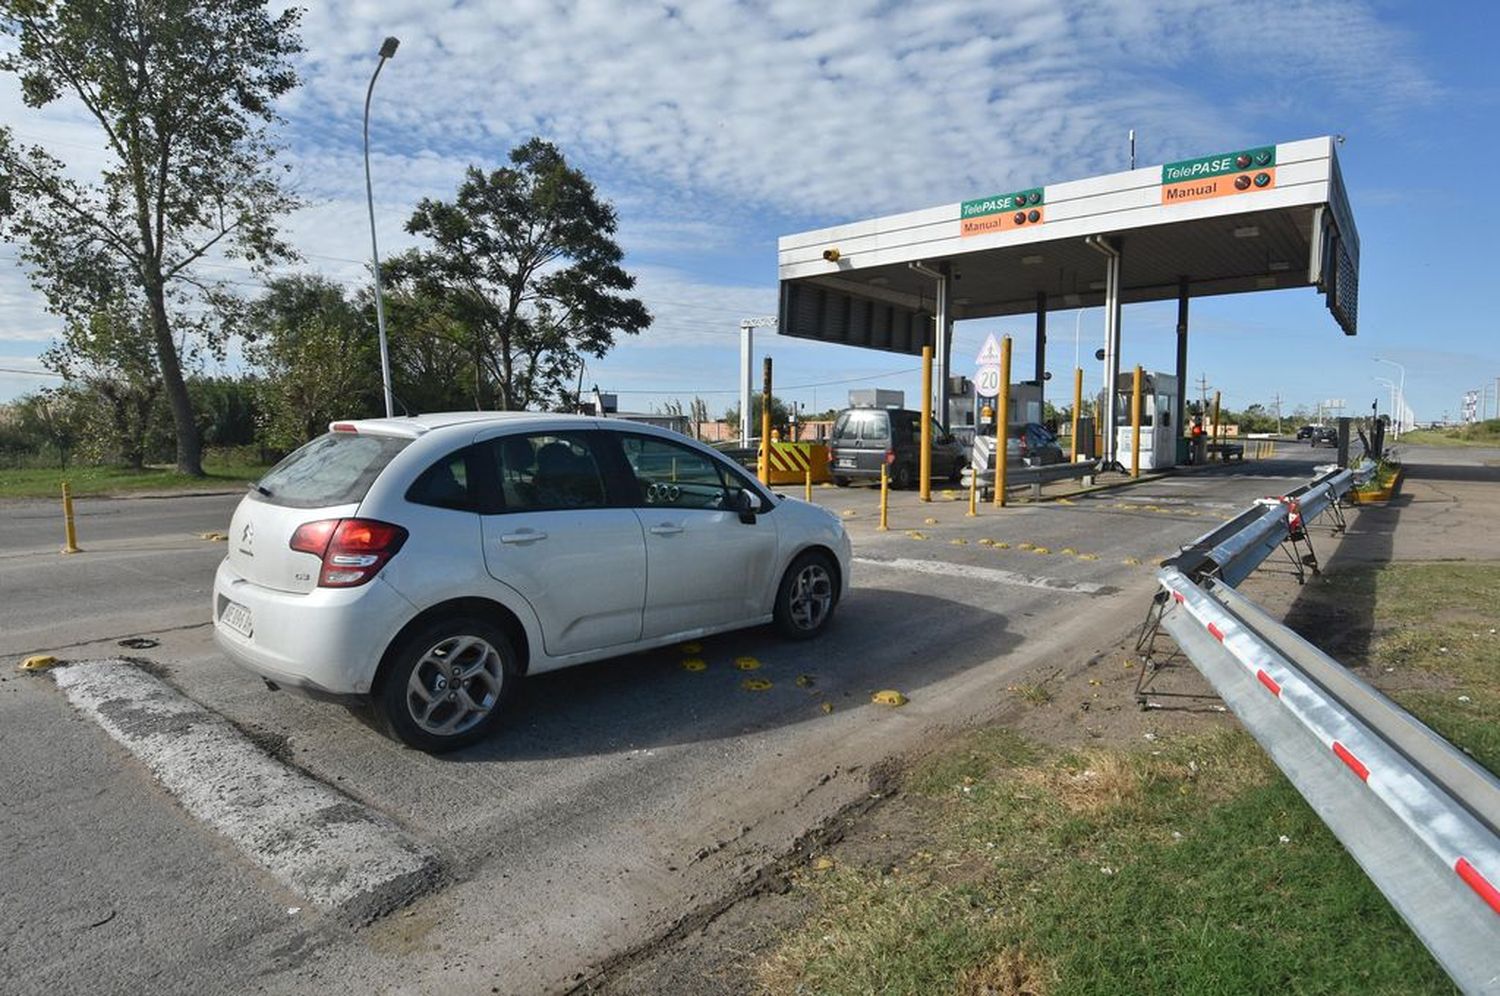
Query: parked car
point(1306, 431)
point(1326, 435)
point(1033, 445)
point(864, 439)
point(430, 562)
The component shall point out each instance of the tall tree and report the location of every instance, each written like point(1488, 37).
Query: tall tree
point(525, 257)
point(182, 93)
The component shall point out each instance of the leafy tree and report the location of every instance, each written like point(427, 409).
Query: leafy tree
point(525, 259)
point(51, 418)
point(118, 389)
point(317, 360)
point(181, 92)
point(780, 415)
point(437, 362)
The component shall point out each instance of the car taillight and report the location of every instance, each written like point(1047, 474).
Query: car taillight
point(352, 550)
point(890, 456)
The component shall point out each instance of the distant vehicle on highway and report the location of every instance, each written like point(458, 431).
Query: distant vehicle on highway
point(1306, 431)
point(430, 562)
point(864, 439)
point(1326, 435)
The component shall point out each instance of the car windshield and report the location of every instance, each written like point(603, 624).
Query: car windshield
point(865, 425)
point(334, 469)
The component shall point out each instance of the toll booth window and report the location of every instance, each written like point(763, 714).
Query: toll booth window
point(668, 474)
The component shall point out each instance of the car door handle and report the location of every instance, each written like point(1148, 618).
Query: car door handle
point(666, 529)
point(524, 536)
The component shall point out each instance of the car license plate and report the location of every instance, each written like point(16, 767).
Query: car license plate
point(846, 461)
point(237, 618)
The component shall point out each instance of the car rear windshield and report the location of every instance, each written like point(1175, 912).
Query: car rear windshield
point(335, 469)
point(865, 425)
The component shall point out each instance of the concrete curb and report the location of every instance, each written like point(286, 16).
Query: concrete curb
point(321, 844)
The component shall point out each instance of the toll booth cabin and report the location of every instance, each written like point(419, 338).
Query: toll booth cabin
point(1272, 217)
point(1161, 422)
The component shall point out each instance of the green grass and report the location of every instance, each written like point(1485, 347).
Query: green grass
point(1190, 867)
point(93, 480)
point(1486, 433)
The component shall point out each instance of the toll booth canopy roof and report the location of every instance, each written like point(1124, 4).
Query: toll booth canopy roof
point(1254, 219)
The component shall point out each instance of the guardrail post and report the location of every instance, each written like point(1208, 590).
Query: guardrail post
point(1002, 422)
point(69, 532)
point(885, 496)
point(925, 465)
point(807, 480)
point(1135, 424)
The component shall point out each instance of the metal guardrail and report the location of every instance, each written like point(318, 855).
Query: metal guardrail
point(1419, 816)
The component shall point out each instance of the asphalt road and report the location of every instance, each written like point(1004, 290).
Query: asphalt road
point(621, 797)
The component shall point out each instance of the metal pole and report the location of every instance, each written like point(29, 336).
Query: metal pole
point(1041, 352)
point(973, 490)
point(925, 466)
point(807, 479)
point(70, 534)
point(1218, 442)
point(1002, 422)
point(765, 426)
point(747, 336)
point(944, 339)
point(1135, 424)
point(1182, 368)
point(1077, 404)
point(386, 51)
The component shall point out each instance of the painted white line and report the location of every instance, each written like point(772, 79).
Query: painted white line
point(317, 842)
point(991, 574)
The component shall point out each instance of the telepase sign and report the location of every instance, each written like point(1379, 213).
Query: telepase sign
point(1218, 176)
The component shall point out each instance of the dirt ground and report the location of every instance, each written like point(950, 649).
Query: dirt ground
point(1117, 697)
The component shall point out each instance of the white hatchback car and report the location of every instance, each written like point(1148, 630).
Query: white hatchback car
point(431, 561)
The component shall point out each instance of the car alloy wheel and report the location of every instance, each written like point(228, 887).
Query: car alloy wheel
point(454, 686)
point(807, 596)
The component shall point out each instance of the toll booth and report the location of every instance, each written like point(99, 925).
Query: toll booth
point(1161, 422)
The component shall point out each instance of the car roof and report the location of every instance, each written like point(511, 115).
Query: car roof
point(412, 426)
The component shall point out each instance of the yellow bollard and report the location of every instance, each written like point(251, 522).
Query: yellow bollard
point(68, 530)
point(1135, 424)
point(973, 490)
point(1077, 404)
point(925, 465)
point(807, 481)
point(1002, 422)
point(885, 496)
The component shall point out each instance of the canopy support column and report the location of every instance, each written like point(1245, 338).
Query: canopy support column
point(1111, 248)
point(1182, 337)
point(1041, 351)
point(942, 354)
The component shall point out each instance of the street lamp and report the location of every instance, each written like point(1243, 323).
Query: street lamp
point(1392, 386)
point(1400, 412)
point(387, 50)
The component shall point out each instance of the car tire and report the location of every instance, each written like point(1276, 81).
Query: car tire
point(841, 482)
point(957, 474)
point(901, 476)
point(807, 596)
point(416, 699)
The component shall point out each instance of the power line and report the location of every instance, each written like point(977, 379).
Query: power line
point(786, 388)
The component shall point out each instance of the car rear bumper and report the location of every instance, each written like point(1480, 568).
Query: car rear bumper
point(328, 640)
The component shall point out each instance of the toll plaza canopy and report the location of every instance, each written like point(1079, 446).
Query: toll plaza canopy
point(1262, 218)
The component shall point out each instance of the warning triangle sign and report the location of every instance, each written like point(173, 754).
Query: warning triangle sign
point(989, 354)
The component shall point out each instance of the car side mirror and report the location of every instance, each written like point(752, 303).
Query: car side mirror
point(749, 505)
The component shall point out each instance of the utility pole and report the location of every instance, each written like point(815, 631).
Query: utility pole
point(1278, 413)
point(1203, 393)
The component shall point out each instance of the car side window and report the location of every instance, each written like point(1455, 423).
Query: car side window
point(668, 474)
point(446, 484)
point(546, 471)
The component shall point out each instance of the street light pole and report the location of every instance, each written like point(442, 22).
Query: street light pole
point(387, 50)
point(1400, 394)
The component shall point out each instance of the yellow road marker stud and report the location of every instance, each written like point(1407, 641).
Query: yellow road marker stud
point(1040, 549)
point(692, 647)
point(746, 663)
point(38, 662)
point(695, 664)
point(1088, 556)
point(848, 513)
point(889, 697)
point(913, 534)
point(827, 708)
point(1069, 551)
point(1131, 562)
point(1002, 546)
point(930, 521)
point(1066, 501)
point(986, 541)
point(755, 685)
point(959, 542)
point(1025, 546)
point(805, 681)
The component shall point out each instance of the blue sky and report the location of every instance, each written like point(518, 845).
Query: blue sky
point(715, 127)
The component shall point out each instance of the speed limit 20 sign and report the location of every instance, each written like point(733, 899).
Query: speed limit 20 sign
point(987, 381)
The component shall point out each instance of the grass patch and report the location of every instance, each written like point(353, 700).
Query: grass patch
point(1191, 868)
point(35, 482)
point(1486, 433)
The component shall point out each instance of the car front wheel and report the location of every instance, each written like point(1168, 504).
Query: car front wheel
point(447, 684)
point(807, 596)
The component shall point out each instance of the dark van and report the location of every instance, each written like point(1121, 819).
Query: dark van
point(865, 438)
